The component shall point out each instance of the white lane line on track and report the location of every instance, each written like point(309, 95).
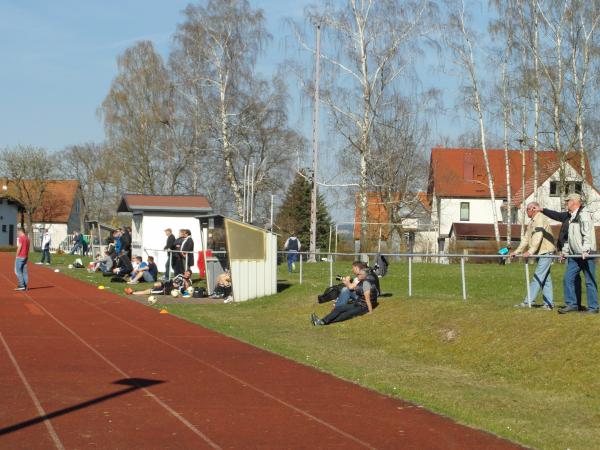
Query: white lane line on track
point(36, 402)
point(171, 411)
point(225, 373)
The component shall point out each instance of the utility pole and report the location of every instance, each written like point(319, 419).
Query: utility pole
point(315, 152)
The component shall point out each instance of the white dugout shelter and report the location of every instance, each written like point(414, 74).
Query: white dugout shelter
point(152, 214)
point(251, 255)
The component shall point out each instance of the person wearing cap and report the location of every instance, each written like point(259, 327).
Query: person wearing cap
point(581, 243)
point(538, 240)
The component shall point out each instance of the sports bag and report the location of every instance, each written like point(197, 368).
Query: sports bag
point(331, 293)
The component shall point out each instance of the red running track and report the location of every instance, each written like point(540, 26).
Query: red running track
point(83, 368)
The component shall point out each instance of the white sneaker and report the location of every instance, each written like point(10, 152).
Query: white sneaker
point(228, 299)
point(39, 263)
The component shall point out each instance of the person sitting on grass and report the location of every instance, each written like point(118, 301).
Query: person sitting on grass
point(145, 271)
point(347, 295)
point(181, 282)
point(102, 263)
point(366, 299)
point(122, 266)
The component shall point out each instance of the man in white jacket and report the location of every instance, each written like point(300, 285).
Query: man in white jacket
point(582, 244)
point(46, 247)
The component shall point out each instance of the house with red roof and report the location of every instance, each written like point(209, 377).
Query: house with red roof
point(152, 214)
point(459, 193)
point(61, 209)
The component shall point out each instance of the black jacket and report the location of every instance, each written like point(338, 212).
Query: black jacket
point(560, 216)
point(170, 242)
point(188, 246)
point(124, 263)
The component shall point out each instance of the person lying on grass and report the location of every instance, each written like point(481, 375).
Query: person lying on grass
point(366, 299)
point(181, 282)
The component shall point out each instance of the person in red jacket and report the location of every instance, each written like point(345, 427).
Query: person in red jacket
point(21, 260)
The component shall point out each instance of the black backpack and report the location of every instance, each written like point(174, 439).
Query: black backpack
point(381, 265)
point(331, 293)
point(199, 292)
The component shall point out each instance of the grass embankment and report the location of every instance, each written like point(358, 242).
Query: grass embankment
point(531, 376)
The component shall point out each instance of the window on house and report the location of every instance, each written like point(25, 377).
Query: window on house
point(4, 228)
point(514, 215)
point(574, 187)
point(464, 211)
point(571, 187)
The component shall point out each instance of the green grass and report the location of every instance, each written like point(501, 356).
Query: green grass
point(531, 376)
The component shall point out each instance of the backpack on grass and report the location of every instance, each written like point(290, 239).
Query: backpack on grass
point(331, 293)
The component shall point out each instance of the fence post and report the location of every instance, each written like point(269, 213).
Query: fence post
point(462, 275)
point(527, 282)
point(300, 268)
point(330, 270)
point(410, 276)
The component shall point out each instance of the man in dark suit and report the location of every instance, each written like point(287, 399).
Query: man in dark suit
point(170, 245)
point(126, 241)
point(188, 246)
point(178, 264)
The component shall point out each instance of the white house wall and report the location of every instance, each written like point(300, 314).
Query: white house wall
point(58, 233)
point(480, 211)
point(553, 202)
point(8, 216)
point(150, 238)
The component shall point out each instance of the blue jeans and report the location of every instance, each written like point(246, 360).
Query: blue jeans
point(345, 296)
point(76, 248)
point(21, 271)
point(574, 267)
point(292, 258)
point(46, 255)
point(147, 277)
point(542, 280)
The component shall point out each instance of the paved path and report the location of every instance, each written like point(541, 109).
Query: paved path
point(83, 368)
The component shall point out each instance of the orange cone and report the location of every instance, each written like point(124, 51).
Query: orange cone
point(164, 311)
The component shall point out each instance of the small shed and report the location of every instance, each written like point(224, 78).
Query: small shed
point(9, 219)
point(248, 251)
point(152, 214)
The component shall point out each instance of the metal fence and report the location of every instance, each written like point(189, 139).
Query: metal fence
point(448, 258)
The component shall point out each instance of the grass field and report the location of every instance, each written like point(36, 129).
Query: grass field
point(531, 376)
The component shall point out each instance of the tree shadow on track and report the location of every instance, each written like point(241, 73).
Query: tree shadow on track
point(133, 383)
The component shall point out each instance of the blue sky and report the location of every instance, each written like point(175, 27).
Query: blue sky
point(59, 58)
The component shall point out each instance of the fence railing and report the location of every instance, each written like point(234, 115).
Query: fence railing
point(447, 256)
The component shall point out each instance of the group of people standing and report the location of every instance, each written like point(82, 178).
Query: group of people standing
point(576, 243)
point(180, 250)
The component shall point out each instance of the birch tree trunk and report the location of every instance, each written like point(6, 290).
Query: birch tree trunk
point(465, 54)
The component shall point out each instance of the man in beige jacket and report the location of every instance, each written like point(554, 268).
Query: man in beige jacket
point(538, 241)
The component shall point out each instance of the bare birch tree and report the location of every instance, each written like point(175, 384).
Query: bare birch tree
point(459, 39)
point(373, 46)
point(216, 50)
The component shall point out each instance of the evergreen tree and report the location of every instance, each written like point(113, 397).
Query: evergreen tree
point(293, 217)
